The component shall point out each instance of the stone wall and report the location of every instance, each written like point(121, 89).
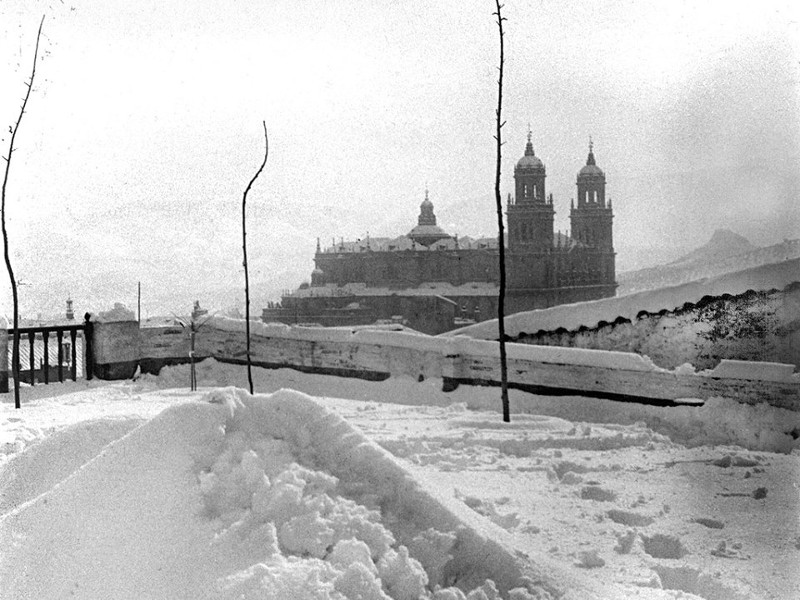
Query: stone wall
point(378, 355)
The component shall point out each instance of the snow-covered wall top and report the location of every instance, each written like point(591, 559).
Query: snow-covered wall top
point(445, 346)
point(380, 354)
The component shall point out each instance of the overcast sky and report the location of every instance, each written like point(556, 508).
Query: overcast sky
point(145, 126)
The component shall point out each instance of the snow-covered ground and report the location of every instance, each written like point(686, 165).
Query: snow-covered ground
point(389, 489)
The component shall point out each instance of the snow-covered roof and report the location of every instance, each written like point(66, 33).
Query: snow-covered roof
point(425, 289)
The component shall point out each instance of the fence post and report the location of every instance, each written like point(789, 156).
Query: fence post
point(60, 341)
point(73, 365)
point(46, 367)
point(31, 356)
point(3, 356)
point(88, 346)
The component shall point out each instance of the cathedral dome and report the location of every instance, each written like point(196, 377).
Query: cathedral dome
point(427, 232)
point(591, 170)
point(529, 160)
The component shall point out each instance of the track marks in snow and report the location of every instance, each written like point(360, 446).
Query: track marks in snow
point(582, 503)
point(54, 458)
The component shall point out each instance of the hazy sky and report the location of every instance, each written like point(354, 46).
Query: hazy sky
point(145, 126)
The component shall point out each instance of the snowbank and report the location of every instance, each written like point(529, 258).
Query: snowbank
point(131, 491)
point(697, 423)
point(244, 497)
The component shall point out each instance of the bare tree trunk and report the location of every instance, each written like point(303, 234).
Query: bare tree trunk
point(501, 301)
point(244, 252)
point(15, 297)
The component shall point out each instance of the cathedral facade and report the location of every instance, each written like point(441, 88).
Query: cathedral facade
point(433, 281)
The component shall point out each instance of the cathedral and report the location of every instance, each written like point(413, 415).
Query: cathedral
point(432, 281)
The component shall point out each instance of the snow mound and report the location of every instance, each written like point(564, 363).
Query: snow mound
point(239, 496)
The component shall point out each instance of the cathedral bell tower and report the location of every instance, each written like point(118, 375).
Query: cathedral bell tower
point(530, 213)
point(530, 233)
point(591, 220)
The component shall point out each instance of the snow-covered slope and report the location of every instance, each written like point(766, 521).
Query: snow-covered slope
point(589, 314)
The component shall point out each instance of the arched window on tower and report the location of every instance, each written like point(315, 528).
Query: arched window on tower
point(524, 190)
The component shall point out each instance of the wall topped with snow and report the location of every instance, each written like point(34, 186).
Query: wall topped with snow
point(382, 354)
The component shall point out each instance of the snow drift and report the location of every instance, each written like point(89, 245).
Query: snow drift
point(243, 496)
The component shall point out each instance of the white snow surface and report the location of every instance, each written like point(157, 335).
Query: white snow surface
point(394, 489)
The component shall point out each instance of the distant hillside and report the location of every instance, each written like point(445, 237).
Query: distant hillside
point(726, 252)
point(723, 244)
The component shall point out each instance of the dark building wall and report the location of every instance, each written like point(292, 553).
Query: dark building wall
point(593, 227)
point(530, 227)
point(408, 268)
point(428, 314)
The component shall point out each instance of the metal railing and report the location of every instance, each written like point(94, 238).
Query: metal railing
point(41, 362)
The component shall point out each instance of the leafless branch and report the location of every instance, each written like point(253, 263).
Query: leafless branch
point(244, 253)
point(500, 229)
point(15, 297)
